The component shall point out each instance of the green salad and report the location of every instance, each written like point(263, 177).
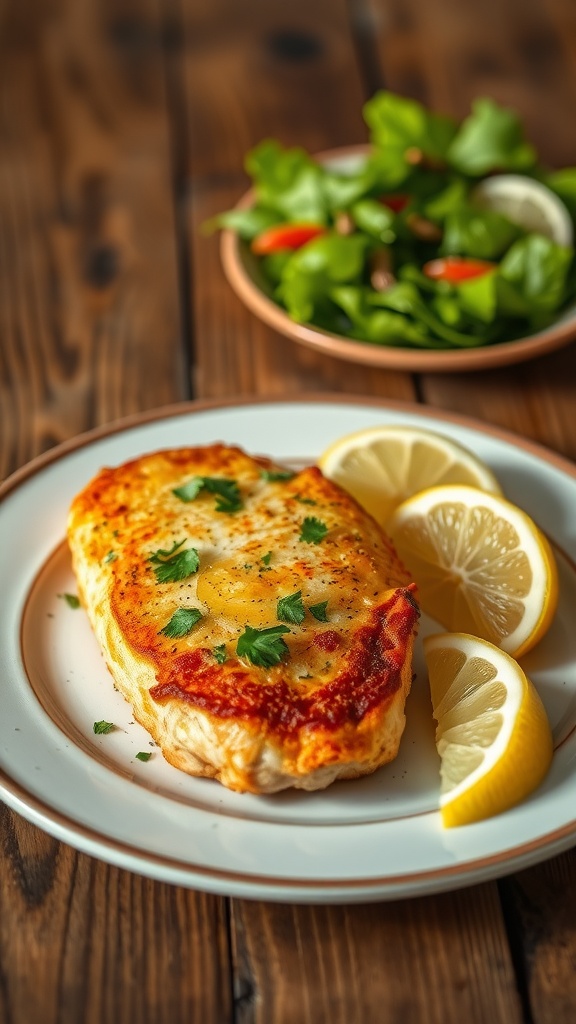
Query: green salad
point(444, 235)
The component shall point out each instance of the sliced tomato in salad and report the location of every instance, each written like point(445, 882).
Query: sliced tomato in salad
point(456, 268)
point(396, 202)
point(285, 236)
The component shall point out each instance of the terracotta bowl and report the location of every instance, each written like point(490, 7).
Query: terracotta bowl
point(243, 273)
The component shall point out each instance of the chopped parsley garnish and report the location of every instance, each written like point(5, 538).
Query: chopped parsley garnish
point(111, 556)
point(319, 611)
point(313, 530)
point(227, 492)
point(266, 558)
point(189, 490)
point(182, 622)
point(101, 728)
point(173, 565)
point(274, 476)
point(264, 647)
point(71, 600)
point(291, 609)
point(219, 653)
point(305, 501)
point(143, 755)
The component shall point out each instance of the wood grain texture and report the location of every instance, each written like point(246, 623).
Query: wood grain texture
point(259, 71)
point(447, 54)
point(87, 241)
point(84, 943)
point(544, 900)
point(123, 124)
point(439, 959)
point(90, 331)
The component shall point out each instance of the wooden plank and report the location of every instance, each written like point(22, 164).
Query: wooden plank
point(517, 52)
point(90, 331)
point(544, 902)
point(436, 959)
point(259, 70)
point(89, 280)
point(249, 73)
point(534, 399)
point(81, 941)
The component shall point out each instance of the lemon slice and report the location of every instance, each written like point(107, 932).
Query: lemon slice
point(481, 564)
point(382, 466)
point(528, 203)
point(493, 735)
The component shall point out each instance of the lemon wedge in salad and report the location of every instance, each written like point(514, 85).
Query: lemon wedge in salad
point(493, 734)
point(528, 203)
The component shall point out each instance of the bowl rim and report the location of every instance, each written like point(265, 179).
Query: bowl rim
point(367, 353)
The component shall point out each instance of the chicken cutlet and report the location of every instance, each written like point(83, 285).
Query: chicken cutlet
point(258, 621)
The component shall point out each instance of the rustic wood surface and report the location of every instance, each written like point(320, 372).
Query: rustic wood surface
point(123, 125)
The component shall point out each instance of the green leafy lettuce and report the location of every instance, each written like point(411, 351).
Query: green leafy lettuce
point(409, 202)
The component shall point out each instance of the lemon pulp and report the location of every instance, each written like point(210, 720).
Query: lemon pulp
point(493, 735)
point(382, 466)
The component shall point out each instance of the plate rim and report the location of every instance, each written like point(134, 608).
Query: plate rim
point(227, 881)
point(172, 410)
point(483, 357)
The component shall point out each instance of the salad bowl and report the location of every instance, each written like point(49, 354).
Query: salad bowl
point(243, 271)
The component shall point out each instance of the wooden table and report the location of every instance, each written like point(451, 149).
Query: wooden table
point(123, 124)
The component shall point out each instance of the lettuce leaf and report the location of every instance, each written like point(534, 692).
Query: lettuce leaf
point(491, 139)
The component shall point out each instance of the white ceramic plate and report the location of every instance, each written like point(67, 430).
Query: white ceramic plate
point(375, 838)
point(243, 273)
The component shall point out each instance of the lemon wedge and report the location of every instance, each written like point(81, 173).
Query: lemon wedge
point(528, 203)
point(382, 466)
point(481, 564)
point(493, 735)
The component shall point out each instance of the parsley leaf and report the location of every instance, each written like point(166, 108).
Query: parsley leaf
point(173, 565)
point(319, 611)
point(71, 600)
point(101, 728)
point(313, 530)
point(143, 755)
point(219, 653)
point(273, 476)
point(227, 495)
point(182, 622)
point(291, 609)
point(111, 556)
point(266, 558)
point(264, 647)
point(227, 492)
point(190, 490)
point(305, 501)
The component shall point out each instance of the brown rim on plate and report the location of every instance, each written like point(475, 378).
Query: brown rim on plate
point(226, 881)
point(369, 354)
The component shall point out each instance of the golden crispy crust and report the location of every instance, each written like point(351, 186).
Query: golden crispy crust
point(333, 707)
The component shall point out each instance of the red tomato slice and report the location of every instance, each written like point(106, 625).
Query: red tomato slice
point(396, 202)
point(285, 236)
point(456, 268)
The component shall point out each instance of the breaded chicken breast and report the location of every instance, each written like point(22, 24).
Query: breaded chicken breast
point(258, 620)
